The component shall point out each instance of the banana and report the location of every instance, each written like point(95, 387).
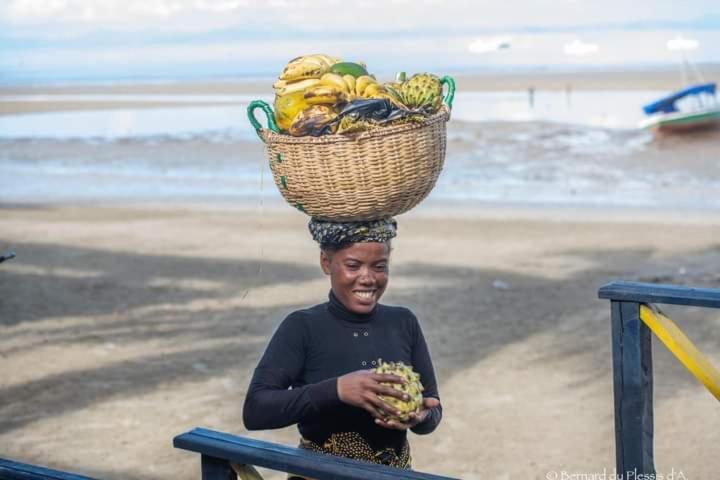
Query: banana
point(350, 83)
point(280, 84)
point(325, 95)
point(362, 83)
point(316, 120)
point(334, 80)
point(291, 87)
point(371, 90)
point(304, 68)
point(327, 59)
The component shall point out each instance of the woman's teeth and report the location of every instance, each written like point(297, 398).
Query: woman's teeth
point(364, 294)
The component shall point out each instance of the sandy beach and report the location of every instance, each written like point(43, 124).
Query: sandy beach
point(128, 319)
point(124, 327)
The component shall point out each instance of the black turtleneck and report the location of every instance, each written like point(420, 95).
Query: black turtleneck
point(296, 378)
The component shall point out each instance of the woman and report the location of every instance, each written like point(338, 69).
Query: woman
point(327, 354)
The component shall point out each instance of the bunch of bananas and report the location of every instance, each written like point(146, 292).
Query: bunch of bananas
point(335, 89)
point(309, 67)
point(313, 81)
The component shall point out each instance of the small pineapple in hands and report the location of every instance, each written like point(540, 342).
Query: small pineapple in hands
point(413, 388)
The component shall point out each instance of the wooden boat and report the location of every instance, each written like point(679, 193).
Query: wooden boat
point(694, 107)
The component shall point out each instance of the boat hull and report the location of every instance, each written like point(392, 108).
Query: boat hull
point(682, 122)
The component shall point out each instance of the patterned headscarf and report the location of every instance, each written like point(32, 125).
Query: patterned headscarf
point(333, 234)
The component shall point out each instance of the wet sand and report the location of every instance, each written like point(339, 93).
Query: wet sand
point(122, 327)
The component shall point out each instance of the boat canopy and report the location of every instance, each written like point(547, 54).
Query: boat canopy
point(667, 104)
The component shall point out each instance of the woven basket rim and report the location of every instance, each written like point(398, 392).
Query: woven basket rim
point(268, 136)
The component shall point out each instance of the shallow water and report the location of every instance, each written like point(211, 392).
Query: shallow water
point(579, 148)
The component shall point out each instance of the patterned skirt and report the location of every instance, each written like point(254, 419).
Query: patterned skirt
point(353, 445)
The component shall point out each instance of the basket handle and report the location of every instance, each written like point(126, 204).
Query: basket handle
point(450, 95)
point(268, 114)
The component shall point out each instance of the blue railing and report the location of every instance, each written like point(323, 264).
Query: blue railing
point(218, 450)
point(632, 365)
point(10, 470)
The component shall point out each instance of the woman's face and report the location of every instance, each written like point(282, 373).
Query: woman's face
point(358, 274)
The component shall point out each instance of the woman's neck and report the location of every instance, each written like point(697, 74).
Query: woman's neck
point(337, 308)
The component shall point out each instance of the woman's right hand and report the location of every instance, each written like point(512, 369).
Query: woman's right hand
point(362, 387)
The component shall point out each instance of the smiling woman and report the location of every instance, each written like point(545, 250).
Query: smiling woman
point(318, 370)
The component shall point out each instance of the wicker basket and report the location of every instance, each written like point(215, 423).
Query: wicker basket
point(378, 173)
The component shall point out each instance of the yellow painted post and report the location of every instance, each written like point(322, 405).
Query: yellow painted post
point(683, 349)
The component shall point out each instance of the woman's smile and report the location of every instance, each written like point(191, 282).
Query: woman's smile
point(365, 294)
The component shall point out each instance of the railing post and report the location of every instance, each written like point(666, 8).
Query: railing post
point(633, 390)
point(216, 469)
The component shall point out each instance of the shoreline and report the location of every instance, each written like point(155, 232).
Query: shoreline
point(630, 80)
point(451, 210)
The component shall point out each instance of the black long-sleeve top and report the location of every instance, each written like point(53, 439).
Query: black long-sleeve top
point(296, 378)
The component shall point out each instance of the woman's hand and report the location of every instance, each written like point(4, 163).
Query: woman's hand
point(362, 387)
point(415, 417)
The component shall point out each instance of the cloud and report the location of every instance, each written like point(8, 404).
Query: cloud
point(485, 45)
point(578, 48)
point(682, 43)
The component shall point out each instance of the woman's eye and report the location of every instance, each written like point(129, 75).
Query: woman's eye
point(381, 267)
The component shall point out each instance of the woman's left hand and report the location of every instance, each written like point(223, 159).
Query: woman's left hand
point(415, 417)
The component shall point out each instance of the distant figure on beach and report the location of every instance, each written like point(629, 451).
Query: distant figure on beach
point(318, 369)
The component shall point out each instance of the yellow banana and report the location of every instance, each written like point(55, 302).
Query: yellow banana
point(279, 84)
point(350, 83)
point(326, 58)
point(371, 90)
point(362, 83)
point(291, 87)
point(303, 69)
point(316, 58)
point(334, 80)
point(324, 95)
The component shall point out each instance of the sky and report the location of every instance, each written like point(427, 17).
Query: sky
point(67, 40)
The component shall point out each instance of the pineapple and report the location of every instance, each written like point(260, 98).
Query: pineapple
point(413, 388)
point(422, 91)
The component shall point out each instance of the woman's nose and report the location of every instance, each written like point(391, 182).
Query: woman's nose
point(365, 277)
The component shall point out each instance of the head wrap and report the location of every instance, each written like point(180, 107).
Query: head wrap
point(329, 234)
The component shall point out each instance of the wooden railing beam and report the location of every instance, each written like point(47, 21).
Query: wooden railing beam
point(224, 447)
point(660, 294)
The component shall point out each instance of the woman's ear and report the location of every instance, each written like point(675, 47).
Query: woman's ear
point(325, 260)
